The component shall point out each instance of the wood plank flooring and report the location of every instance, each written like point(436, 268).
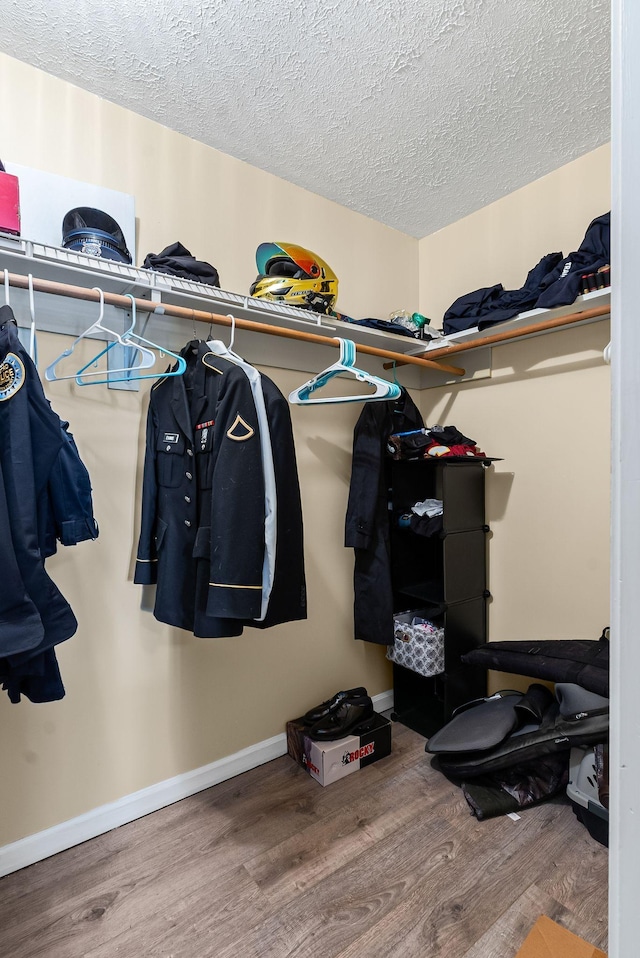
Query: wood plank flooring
point(387, 863)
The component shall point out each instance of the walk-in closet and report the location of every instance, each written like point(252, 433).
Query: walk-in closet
point(315, 354)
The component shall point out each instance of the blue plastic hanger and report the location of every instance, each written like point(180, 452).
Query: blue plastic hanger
point(147, 358)
point(346, 364)
point(129, 338)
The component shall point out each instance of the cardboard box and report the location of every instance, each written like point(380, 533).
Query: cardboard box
point(549, 940)
point(9, 204)
point(329, 761)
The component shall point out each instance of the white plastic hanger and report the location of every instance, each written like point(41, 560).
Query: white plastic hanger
point(131, 340)
point(346, 364)
point(229, 352)
point(221, 348)
point(7, 300)
point(147, 358)
point(33, 346)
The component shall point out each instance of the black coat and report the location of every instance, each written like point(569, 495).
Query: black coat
point(367, 522)
point(202, 536)
point(45, 497)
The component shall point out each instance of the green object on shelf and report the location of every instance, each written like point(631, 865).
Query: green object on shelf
point(420, 320)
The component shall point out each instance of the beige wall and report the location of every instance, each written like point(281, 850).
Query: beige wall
point(545, 411)
point(501, 242)
point(220, 208)
point(146, 702)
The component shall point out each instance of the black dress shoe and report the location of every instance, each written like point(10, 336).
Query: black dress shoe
point(351, 716)
point(320, 711)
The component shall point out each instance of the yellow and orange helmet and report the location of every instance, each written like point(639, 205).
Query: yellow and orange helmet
point(291, 274)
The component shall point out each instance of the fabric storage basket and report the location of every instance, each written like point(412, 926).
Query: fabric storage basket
point(418, 644)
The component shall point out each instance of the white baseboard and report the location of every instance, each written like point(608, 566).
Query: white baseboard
point(99, 820)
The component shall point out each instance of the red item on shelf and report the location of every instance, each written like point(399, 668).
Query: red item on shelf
point(9, 204)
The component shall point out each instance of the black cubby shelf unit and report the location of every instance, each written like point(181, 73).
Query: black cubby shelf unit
point(442, 577)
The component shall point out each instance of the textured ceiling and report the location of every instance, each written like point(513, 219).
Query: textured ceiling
point(413, 112)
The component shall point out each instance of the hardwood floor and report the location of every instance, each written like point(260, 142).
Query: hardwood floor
point(386, 863)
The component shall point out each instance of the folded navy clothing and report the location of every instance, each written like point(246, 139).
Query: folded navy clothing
point(495, 304)
point(464, 311)
point(562, 286)
point(554, 281)
point(520, 300)
point(385, 325)
point(427, 525)
point(178, 261)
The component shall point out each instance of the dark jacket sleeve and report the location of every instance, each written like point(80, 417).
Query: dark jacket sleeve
point(69, 495)
point(237, 506)
point(146, 571)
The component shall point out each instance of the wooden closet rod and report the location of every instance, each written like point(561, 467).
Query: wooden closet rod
point(201, 316)
point(506, 335)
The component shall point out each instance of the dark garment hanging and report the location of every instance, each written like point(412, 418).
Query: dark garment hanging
point(204, 549)
point(367, 520)
point(45, 497)
point(202, 536)
point(178, 261)
point(20, 623)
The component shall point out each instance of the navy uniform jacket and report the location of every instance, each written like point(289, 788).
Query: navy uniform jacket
point(203, 502)
point(45, 497)
point(367, 522)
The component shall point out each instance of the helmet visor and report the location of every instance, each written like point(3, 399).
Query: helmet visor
point(303, 258)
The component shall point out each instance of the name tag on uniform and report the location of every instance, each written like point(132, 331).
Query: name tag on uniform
point(171, 437)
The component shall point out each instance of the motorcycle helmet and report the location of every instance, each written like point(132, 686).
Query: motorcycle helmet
point(294, 275)
point(86, 230)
